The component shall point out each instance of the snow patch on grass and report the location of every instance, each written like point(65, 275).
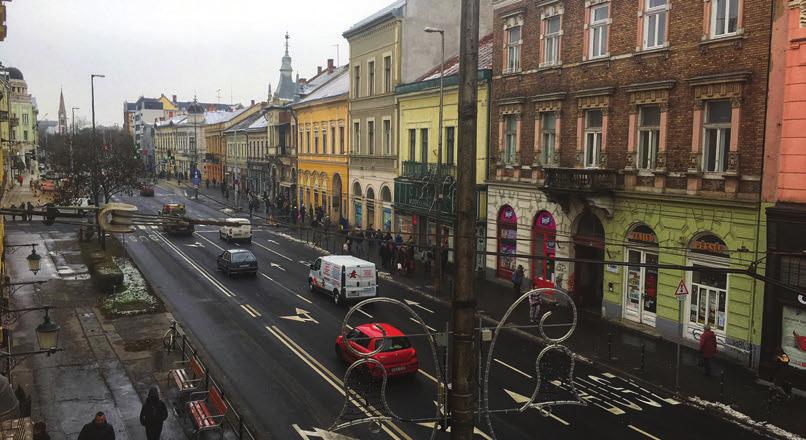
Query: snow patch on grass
point(134, 297)
point(741, 418)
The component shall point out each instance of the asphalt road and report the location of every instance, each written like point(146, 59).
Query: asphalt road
point(270, 343)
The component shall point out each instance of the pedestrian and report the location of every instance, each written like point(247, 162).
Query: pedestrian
point(535, 301)
point(40, 431)
point(707, 348)
point(29, 209)
point(98, 429)
point(153, 414)
point(780, 372)
point(302, 212)
point(207, 183)
point(13, 212)
point(345, 248)
point(517, 280)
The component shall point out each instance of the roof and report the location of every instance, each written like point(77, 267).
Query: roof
point(185, 106)
point(259, 124)
point(243, 125)
point(144, 103)
point(337, 85)
point(389, 12)
point(319, 80)
point(218, 117)
point(129, 106)
point(452, 65)
point(176, 120)
point(14, 73)
point(372, 330)
point(346, 260)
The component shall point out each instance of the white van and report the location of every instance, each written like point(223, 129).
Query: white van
point(344, 277)
point(241, 232)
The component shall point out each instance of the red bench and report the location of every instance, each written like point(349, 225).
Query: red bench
point(189, 377)
point(208, 411)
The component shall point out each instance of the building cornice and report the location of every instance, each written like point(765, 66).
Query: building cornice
point(728, 77)
point(654, 85)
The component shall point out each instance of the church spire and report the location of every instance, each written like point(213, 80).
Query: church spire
point(286, 88)
point(62, 114)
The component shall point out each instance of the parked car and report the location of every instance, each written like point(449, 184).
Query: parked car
point(47, 185)
point(147, 191)
point(345, 277)
point(397, 356)
point(234, 261)
point(241, 232)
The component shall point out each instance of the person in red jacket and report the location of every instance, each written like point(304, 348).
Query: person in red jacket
point(707, 348)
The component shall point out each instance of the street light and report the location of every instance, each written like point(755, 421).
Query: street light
point(47, 333)
point(34, 260)
point(96, 188)
point(438, 180)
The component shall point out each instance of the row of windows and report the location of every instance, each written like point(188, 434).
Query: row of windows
point(367, 146)
point(716, 136)
point(722, 21)
point(327, 148)
point(371, 80)
point(450, 142)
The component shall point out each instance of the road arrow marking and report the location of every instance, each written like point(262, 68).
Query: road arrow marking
point(277, 266)
point(520, 400)
point(272, 241)
point(301, 316)
point(304, 263)
point(416, 304)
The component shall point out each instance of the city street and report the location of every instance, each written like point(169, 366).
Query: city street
point(270, 343)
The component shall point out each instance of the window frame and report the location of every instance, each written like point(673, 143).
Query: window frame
point(450, 144)
point(659, 14)
point(554, 39)
point(653, 133)
point(413, 144)
point(721, 155)
point(595, 133)
point(726, 32)
point(386, 127)
point(603, 26)
point(423, 145)
point(510, 139)
point(387, 73)
point(546, 156)
point(513, 49)
point(371, 137)
point(371, 77)
point(341, 139)
point(357, 137)
point(357, 81)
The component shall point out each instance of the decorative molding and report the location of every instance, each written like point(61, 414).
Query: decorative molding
point(594, 92)
point(603, 160)
point(730, 77)
point(654, 85)
point(591, 102)
point(693, 162)
point(660, 164)
point(558, 96)
point(733, 162)
point(642, 97)
point(630, 161)
point(579, 158)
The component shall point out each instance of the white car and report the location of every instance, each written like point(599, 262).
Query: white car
point(345, 277)
point(241, 232)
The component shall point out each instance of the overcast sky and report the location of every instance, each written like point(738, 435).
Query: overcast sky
point(182, 47)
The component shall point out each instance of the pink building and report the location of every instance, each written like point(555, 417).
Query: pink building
point(784, 195)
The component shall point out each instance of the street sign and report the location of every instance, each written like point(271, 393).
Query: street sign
point(682, 291)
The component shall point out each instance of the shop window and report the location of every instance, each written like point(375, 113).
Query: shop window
point(544, 244)
point(641, 278)
point(709, 298)
point(507, 242)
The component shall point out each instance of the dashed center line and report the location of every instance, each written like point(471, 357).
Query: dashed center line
point(250, 310)
point(639, 430)
point(513, 368)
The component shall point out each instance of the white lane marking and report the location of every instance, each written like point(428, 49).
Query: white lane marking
point(140, 227)
point(198, 269)
point(425, 373)
point(303, 298)
point(513, 368)
point(250, 310)
point(272, 241)
point(334, 381)
point(636, 429)
point(271, 250)
point(416, 304)
point(301, 315)
point(154, 227)
point(426, 326)
point(521, 399)
point(277, 266)
point(207, 240)
point(364, 313)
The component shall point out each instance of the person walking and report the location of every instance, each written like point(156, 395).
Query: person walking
point(153, 414)
point(535, 301)
point(707, 348)
point(29, 211)
point(40, 431)
point(517, 280)
point(97, 429)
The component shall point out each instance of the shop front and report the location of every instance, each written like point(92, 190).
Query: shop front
point(507, 242)
point(640, 278)
point(708, 299)
point(544, 244)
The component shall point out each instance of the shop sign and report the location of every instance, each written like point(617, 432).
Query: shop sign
point(709, 244)
point(793, 335)
point(642, 234)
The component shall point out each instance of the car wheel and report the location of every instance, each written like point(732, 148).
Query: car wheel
point(337, 297)
point(311, 287)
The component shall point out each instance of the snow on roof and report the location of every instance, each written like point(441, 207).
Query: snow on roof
point(260, 123)
point(339, 84)
point(452, 64)
point(243, 125)
point(218, 117)
point(391, 9)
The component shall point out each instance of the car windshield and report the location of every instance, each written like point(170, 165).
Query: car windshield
point(242, 257)
point(394, 344)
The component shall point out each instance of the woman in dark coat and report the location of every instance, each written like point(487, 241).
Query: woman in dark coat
point(153, 415)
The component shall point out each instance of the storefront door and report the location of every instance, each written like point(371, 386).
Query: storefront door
point(507, 242)
point(642, 287)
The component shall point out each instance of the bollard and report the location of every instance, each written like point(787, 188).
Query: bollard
point(609, 346)
point(643, 356)
point(722, 384)
point(183, 348)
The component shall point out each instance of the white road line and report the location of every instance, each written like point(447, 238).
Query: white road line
point(207, 240)
point(648, 435)
point(249, 311)
point(141, 227)
point(154, 227)
point(426, 326)
point(303, 298)
point(364, 313)
point(201, 271)
point(512, 368)
point(334, 381)
point(271, 250)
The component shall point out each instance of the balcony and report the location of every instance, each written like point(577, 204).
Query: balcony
point(580, 180)
point(417, 170)
point(417, 198)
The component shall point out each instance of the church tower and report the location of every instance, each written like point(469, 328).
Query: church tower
point(62, 115)
point(286, 88)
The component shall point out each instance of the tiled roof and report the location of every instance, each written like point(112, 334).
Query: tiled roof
point(392, 10)
point(243, 125)
point(338, 84)
point(452, 64)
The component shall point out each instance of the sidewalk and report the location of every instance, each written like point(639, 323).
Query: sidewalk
point(107, 363)
point(617, 346)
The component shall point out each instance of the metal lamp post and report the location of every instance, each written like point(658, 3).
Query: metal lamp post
point(439, 179)
point(72, 133)
point(34, 260)
point(95, 171)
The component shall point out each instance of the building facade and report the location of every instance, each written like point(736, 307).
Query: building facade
point(257, 161)
point(415, 187)
point(23, 137)
point(237, 142)
point(784, 198)
point(624, 134)
point(321, 127)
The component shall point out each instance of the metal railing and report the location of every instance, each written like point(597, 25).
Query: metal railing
point(421, 169)
point(579, 179)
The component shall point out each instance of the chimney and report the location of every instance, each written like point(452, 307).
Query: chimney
point(174, 100)
point(318, 70)
point(253, 102)
point(302, 81)
point(330, 65)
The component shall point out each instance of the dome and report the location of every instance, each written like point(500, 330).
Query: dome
point(14, 73)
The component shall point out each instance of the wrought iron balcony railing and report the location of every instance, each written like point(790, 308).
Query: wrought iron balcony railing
point(579, 179)
point(419, 198)
point(415, 169)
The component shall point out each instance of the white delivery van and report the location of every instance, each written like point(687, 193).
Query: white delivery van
point(241, 232)
point(345, 277)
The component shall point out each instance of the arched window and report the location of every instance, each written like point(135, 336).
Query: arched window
point(544, 232)
point(507, 241)
point(370, 207)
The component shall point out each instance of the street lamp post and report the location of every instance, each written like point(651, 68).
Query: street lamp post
point(95, 171)
point(72, 133)
point(439, 178)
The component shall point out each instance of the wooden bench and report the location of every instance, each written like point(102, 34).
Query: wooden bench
point(207, 410)
point(189, 377)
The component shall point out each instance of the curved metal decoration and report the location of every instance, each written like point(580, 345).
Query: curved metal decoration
point(552, 345)
point(384, 413)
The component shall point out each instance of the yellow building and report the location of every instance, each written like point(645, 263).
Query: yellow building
point(5, 90)
point(323, 145)
point(418, 108)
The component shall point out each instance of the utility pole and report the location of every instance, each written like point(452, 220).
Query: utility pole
point(438, 179)
point(72, 133)
point(463, 302)
point(95, 171)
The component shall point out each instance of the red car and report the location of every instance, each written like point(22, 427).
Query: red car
point(147, 191)
point(398, 357)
